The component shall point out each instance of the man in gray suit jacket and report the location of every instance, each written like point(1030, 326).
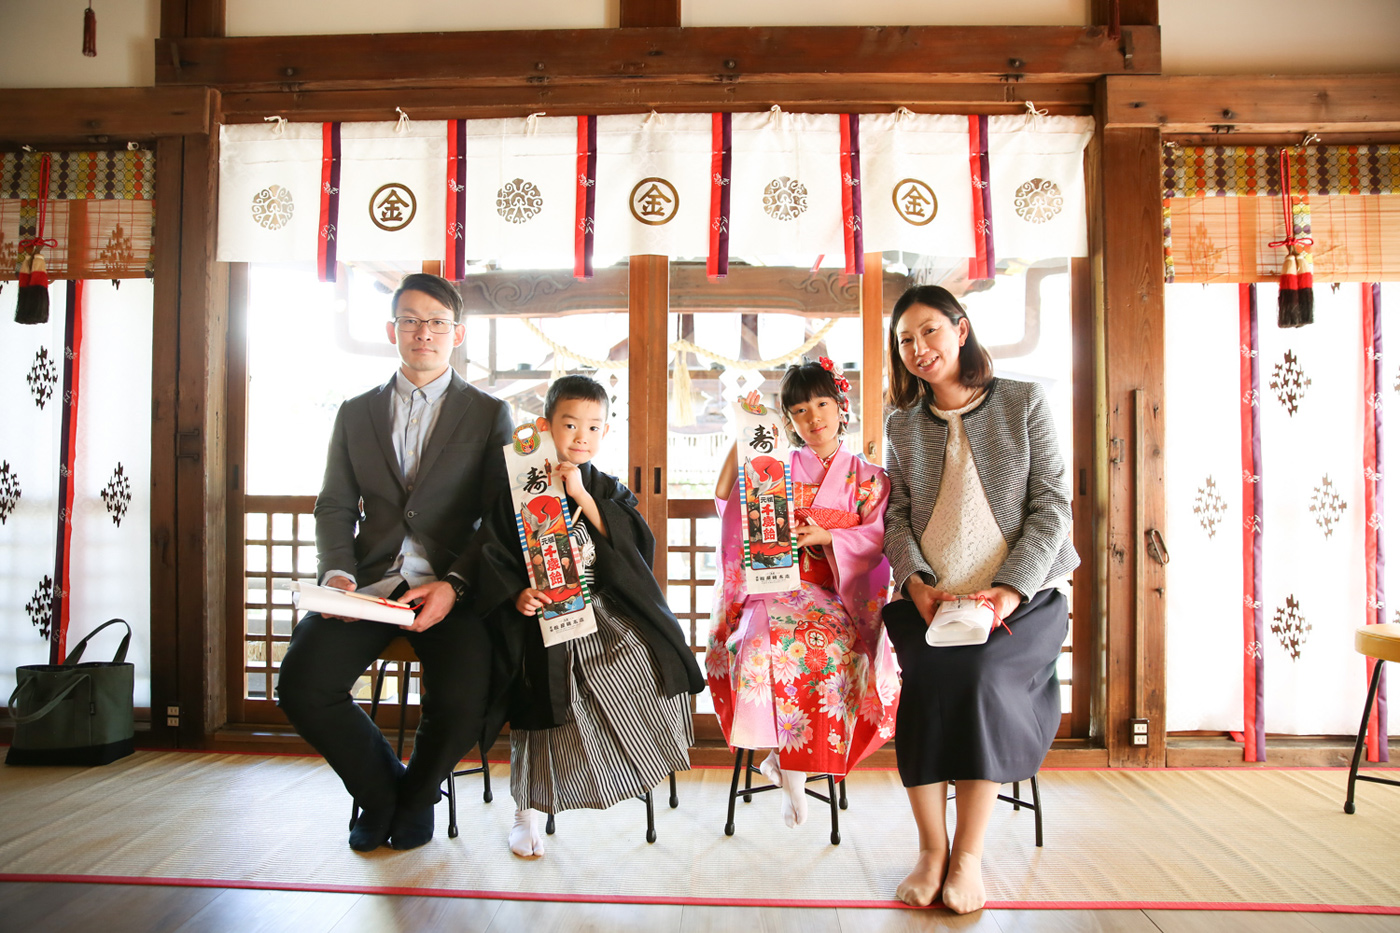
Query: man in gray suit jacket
point(411, 467)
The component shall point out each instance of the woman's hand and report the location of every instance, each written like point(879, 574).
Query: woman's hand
point(1004, 600)
point(811, 535)
point(530, 601)
point(926, 598)
point(570, 478)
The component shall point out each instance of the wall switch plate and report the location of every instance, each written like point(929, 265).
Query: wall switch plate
point(172, 720)
point(172, 711)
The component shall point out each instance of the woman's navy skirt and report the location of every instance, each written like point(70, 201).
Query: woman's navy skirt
point(978, 712)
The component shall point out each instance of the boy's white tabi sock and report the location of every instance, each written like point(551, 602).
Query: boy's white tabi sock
point(525, 838)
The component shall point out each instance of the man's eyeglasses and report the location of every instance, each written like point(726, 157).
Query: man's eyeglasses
point(410, 325)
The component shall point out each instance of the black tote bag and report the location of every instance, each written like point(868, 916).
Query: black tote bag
point(74, 713)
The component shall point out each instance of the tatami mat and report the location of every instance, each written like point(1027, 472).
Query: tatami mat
point(1112, 838)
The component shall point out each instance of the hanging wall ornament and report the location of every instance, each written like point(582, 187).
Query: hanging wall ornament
point(89, 33)
point(32, 305)
point(1295, 297)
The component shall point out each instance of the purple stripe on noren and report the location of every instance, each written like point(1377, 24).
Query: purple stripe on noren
point(1382, 710)
point(460, 241)
point(727, 166)
point(1257, 453)
point(985, 164)
point(859, 237)
point(333, 203)
point(590, 195)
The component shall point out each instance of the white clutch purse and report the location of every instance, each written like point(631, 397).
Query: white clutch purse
point(961, 622)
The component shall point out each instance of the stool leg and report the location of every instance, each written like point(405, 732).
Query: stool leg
point(675, 801)
point(373, 712)
point(835, 810)
point(451, 805)
point(1016, 796)
point(1035, 798)
point(486, 794)
point(748, 778)
point(734, 791)
point(404, 670)
point(843, 793)
point(651, 818)
point(1350, 805)
point(549, 825)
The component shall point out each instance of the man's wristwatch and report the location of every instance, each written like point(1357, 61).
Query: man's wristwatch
point(459, 586)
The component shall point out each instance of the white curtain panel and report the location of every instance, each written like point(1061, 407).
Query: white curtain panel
point(1037, 177)
point(31, 390)
point(521, 191)
point(916, 183)
point(109, 566)
point(393, 184)
point(1205, 516)
point(1388, 392)
point(786, 177)
point(269, 192)
point(653, 185)
point(1314, 592)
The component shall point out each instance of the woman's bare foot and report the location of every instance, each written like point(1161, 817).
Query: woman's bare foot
point(921, 888)
point(963, 891)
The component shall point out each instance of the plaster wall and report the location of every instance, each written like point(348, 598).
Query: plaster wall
point(41, 42)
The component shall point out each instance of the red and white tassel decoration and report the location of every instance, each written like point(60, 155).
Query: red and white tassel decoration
point(89, 33)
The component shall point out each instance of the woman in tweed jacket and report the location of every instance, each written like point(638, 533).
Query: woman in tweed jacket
point(979, 507)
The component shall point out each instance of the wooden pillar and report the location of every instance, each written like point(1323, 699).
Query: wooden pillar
point(872, 365)
point(648, 300)
point(1132, 295)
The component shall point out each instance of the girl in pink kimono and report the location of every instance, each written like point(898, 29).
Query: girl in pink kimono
point(809, 673)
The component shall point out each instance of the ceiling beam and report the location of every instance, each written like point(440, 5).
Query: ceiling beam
point(559, 99)
point(1259, 104)
point(101, 116)
point(874, 54)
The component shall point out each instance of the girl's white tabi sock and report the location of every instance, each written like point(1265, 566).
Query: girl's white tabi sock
point(794, 797)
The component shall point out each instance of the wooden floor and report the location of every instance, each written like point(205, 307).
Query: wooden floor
point(84, 908)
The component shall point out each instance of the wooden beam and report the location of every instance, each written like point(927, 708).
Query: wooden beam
point(1133, 298)
point(102, 116)
point(554, 293)
point(1255, 103)
point(873, 298)
point(637, 13)
point(715, 55)
point(165, 351)
point(1129, 12)
point(184, 18)
point(648, 295)
point(200, 449)
point(559, 98)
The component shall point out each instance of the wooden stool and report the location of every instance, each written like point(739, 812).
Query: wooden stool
point(1381, 642)
point(675, 801)
point(830, 798)
point(400, 651)
point(1017, 803)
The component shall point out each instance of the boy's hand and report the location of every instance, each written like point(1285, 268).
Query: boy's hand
point(530, 601)
point(571, 479)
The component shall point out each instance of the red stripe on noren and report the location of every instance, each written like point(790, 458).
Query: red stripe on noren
point(73, 345)
point(1247, 504)
point(847, 209)
point(395, 890)
point(449, 246)
point(716, 186)
point(1368, 456)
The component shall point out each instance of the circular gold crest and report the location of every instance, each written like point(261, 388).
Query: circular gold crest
point(914, 201)
point(392, 207)
point(273, 207)
point(654, 201)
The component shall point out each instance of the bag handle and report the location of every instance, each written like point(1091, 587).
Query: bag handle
point(47, 707)
point(76, 654)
